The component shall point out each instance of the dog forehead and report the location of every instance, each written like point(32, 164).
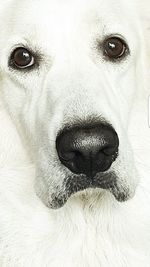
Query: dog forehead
point(52, 16)
point(57, 27)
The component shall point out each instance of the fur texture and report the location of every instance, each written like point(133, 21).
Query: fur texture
point(73, 82)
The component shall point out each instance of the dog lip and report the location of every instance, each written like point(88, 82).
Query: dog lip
point(78, 183)
point(60, 199)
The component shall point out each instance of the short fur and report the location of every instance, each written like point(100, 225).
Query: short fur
point(73, 82)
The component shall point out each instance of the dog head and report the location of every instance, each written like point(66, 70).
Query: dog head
point(69, 74)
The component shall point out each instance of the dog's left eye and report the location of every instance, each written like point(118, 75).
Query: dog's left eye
point(114, 48)
point(22, 58)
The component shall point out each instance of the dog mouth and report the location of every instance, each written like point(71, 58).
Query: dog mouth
point(79, 183)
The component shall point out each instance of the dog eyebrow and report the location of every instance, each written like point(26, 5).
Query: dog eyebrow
point(36, 50)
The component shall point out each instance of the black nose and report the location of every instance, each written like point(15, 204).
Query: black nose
point(88, 149)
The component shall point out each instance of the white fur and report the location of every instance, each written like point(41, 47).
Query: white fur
point(73, 82)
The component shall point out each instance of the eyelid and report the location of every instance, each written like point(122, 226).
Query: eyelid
point(115, 35)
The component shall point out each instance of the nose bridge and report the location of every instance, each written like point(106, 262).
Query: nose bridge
point(87, 92)
point(80, 76)
point(79, 87)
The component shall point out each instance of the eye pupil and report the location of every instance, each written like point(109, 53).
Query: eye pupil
point(114, 48)
point(22, 58)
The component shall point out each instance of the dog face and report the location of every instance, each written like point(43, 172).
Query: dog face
point(69, 77)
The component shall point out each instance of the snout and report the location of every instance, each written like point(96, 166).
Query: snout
point(88, 149)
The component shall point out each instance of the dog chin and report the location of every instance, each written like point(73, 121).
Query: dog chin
point(80, 186)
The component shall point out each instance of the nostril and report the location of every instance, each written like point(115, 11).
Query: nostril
point(110, 150)
point(69, 155)
point(66, 156)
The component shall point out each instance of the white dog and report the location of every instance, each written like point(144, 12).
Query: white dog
point(74, 135)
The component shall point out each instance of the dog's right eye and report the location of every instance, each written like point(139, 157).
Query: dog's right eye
point(21, 58)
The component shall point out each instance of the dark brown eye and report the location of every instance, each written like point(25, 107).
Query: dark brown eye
point(114, 48)
point(22, 58)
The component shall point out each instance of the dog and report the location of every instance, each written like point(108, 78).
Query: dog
point(74, 138)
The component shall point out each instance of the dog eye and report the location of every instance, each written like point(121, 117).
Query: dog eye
point(114, 48)
point(22, 58)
